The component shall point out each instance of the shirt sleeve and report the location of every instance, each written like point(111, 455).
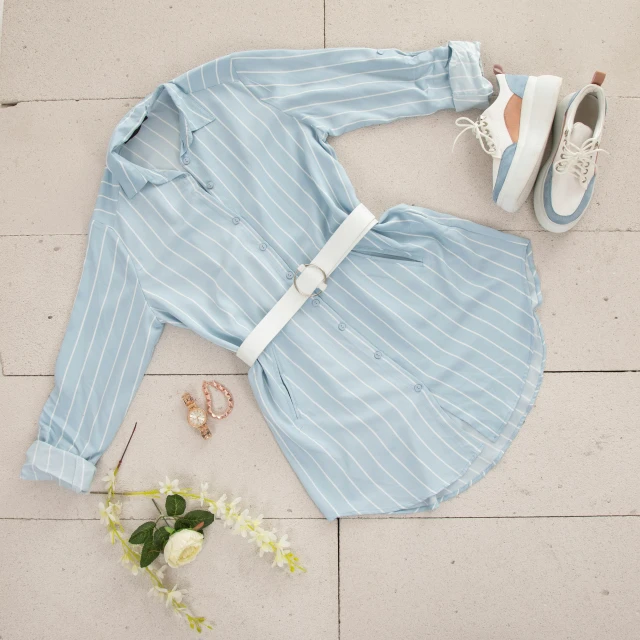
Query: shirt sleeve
point(107, 346)
point(338, 90)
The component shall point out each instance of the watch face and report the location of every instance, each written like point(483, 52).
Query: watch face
point(197, 417)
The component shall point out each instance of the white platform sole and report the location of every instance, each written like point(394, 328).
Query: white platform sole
point(539, 103)
point(538, 192)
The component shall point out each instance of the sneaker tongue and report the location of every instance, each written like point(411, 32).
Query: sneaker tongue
point(580, 133)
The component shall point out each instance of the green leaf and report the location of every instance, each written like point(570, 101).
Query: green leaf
point(160, 538)
point(175, 505)
point(149, 553)
point(201, 515)
point(181, 523)
point(143, 533)
point(194, 518)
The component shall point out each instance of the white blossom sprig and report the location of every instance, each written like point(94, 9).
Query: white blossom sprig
point(174, 598)
point(240, 522)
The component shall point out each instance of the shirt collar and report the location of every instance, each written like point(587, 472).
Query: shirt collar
point(192, 116)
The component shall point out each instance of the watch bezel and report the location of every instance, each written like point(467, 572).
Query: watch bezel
point(192, 421)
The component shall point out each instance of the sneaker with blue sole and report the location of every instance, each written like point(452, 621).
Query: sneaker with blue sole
point(514, 131)
point(564, 187)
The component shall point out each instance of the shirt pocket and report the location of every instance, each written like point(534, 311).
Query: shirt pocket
point(389, 257)
point(285, 385)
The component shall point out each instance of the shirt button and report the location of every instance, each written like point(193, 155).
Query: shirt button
point(377, 355)
point(417, 388)
point(209, 185)
point(316, 302)
point(236, 221)
point(186, 160)
point(342, 326)
point(289, 275)
point(263, 246)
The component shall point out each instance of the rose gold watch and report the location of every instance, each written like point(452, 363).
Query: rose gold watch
point(196, 416)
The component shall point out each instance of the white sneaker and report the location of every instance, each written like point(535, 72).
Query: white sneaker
point(565, 185)
point(514, 132)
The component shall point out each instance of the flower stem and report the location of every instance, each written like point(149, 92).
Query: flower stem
point(160, 512)
point(127, 446)
point(152, 492)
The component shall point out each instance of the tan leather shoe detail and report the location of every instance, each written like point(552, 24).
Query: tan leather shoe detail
point(598, 78)
point(512, 116)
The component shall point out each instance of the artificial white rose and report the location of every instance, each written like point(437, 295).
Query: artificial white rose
point(183, 547)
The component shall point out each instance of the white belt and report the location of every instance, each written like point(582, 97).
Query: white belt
point(311, 277)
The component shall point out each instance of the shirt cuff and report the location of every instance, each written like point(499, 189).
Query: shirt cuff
point(45, 462)
point(469, 88)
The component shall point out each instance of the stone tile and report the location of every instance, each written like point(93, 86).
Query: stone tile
point(122, 49)
point(577, 454)
point(53, 158)
point(411, 161)
point(542, 578)
point(590, 286)
point(241, 459)
point(66, 578)
point(590, 316)
point(530, 38)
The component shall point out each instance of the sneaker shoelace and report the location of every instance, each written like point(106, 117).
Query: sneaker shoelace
point(481, 131)
point(577, 159)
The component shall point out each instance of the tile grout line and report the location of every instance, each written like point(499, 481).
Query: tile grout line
point(363, 519)
point(324, 36)
point(552, 371)
point(155, 375)
point(512, 231)
point(222, 373)
point(131, 519)
point(339, 603)
point(9, 104)
point(524, 517)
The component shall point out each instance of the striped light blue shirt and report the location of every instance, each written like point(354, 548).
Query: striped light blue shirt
point(396, 388)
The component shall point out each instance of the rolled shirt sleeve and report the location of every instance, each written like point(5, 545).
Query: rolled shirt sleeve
point(469, 88)
point(107, 346)
point(339, 90)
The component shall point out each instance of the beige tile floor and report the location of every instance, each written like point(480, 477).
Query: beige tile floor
point(545, 548)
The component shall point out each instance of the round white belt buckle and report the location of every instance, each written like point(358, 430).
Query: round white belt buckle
point(321, 286)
